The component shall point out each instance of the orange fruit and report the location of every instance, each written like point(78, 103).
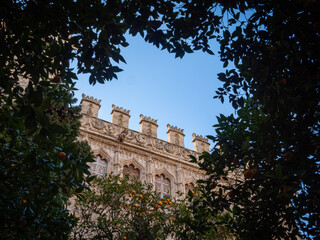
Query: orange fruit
point(255, 171)
point(117, 227)
point(272, 48)
point(157, 206)
point(120, 179)
point(140, 196)
point(56, 79)
point(62, 156)
point(110, 179)
point(124, 238)
point(212, 185)
point(22, 222)
point(231, 194)
point(288, 155)
point(235, 161)
point(248, 174)
point(133, 191)
point(130, 195)
point(160, 203)
point(285, 190)
point(281, 82)
point(23, 201)
point(136, 205)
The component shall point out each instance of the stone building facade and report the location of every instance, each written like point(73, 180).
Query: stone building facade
point(118, 149)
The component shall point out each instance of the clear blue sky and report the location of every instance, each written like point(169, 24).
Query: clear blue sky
point(156, 84)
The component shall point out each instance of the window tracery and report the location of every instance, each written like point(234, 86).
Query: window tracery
point(131, 171)
point(163, 185)
point(99, 167)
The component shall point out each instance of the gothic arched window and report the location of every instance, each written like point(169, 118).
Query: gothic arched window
point(163, 185)
point(132, 171)
point(99, 167)
point(188, 187)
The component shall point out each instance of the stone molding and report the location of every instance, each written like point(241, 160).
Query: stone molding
point(111, 130)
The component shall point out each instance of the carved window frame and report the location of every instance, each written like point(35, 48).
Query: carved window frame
point(99, 163)
point(134, 169)
point(163, 185)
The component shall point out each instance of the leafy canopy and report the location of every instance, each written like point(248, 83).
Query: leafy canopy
point(274, 49)
point(270, 151)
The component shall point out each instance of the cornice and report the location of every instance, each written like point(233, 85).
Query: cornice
point(134, 141)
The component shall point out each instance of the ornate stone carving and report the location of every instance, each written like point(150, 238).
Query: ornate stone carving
point(131, 171)
point(165, 164)
point(122, 135)
point(163, 185)
point(97, 123)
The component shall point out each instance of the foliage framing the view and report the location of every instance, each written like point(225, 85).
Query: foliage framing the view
point(42, 164)
point(272, 145)
point(274, 46)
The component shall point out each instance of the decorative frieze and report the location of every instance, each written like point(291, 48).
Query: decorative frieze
point(148, 129)
point(129, 136)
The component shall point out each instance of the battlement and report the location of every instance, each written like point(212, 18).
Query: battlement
point(90, 105)
point(175, 135)
point(174, 128)
point(148, 119)
point(200, 143)
point(148, 127)
point(199, 138)
point(90, 99)
point(120, 109)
